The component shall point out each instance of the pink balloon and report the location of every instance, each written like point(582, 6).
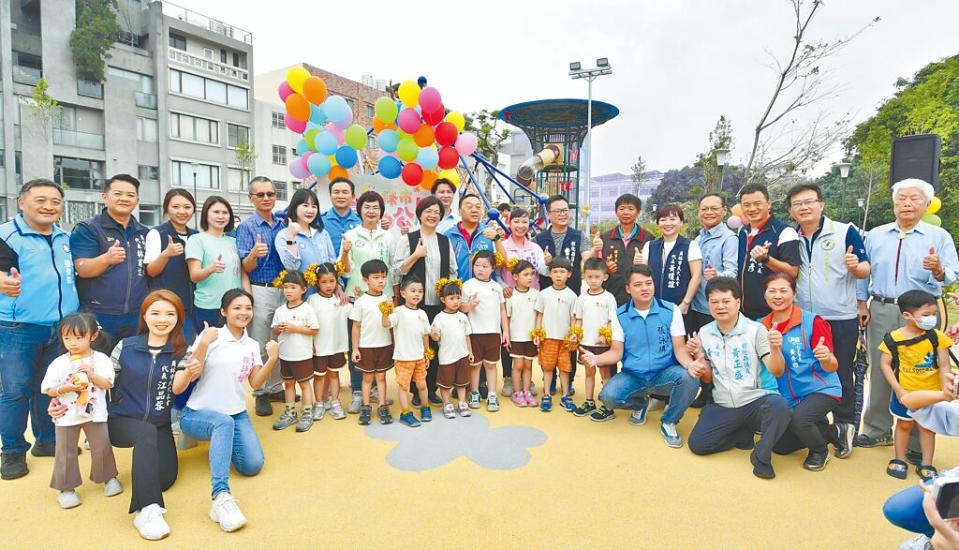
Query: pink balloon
point(336, 131)
point(346, 122)
point(408, 121)
point(285, 90)
point(466, 144)
point(295, 125)
point(430, 99)
point(297, 168)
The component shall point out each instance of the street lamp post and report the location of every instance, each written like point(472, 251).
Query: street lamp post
point(196, 168)
point(722, 159)
point(576, 71)
point(844, 175)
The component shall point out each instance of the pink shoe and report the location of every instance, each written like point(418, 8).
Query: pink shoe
point(519, 399)
point(530, 400)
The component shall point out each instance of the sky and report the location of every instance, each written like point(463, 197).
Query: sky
point(677, 64)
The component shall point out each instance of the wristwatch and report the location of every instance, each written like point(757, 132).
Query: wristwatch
point(289, 242)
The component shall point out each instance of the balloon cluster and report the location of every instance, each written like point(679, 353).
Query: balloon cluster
point(736, 220)
point(931, 217)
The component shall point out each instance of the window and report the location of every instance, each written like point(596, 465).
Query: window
point(146, 172)
point(149, 215)
point(236, 59)
point(211, 90)
point(279, 121)
point(279, 155)
point(280, 187)
point(215, 91)
point(352, 104)
point(146, 129)
point(222, 55)
point(87, 88)
point(236, 134)
point(145, 81)
point(77, 211)
point(194, 128)
point(177, 41)
point(237, 97)
point(78, 173)
point(236, 179)
point(193, 85)
point(207, 175)
point(370, 111)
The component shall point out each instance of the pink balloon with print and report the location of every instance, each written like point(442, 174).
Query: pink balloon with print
point(466, 144)
point(430, 99)
point(408, 120)
point(297, 126)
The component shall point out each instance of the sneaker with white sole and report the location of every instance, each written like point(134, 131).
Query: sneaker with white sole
point(474, 400)
point(327, 405)
point(319, 411)
point(68, 499)
point(226, 512)
point(492, 402)
point(671, 435)
point(449, 411)
point(306, 420)
point(112, 488)
point(150, 523)
point(655, 404)
point(336, 410)
point(355, 403)
point(507, 388)
point(918, 542)
point(464, 409)
point(638, 417)
point(287, 418)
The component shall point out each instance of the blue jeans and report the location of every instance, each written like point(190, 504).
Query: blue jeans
point(25, 351)
point(232, 440)
point(628, 390)
point(119, 326)
point(904, 509)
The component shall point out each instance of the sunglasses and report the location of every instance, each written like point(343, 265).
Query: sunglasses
point(264, 195)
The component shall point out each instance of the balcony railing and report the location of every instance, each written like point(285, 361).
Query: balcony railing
point(90, 89)
point(208, 23)
point(145, 100)
point(77, 139)
point(26, 75)
point(191, 60)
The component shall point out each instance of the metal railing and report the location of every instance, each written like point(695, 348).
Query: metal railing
point(77, 139)
point(145, 100)
point(215, 67)
point(208, 23)
point(90, 89)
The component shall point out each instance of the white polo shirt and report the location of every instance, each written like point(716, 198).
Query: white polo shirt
point(222, 385)
point(295, 346)
point(486, 317)
point(366, 310)
point(332, 317)
point(521, 310)
point(557, 309)
point(409, 327)
point(454, 328)
point(595, 312)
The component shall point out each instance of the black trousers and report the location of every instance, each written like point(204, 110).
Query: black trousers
point(154, 458)
point(721, 428)
point(845, 335)
point(809, 428)
point(431, 313)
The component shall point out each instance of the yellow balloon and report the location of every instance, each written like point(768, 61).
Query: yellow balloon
point(451, 175)
point(934, 205)
point(296, 76)
point(409, 93)
point(457, 119)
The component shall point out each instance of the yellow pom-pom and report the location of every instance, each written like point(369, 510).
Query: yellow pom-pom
point(278, 282)
point(573, 338)
point(606, 333)
point(511, 263)
point(310, 275)
point(386, 307)
point(340, 268)
point(538, 333)
point(441, 284)
point(498, 260)
point(429, 354)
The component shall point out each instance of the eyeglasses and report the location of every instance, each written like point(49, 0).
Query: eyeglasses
point(264, 194)
point(710, 209)
point(559, 211)
point(807, 202)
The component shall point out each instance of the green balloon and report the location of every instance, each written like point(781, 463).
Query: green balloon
point(385, 110)
point(932, 219)
point(407, 149)
point(355, 137)
point(309, 136)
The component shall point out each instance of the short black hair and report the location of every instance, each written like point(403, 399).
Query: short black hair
point(409, 280)
point(450, 289)
point(638, 269)
point(125, 178)
point(304, 196)
point(177, 192)
point(371, 267)
point(505, 207)
point(628, 198)
point(79, 324)
point(520, 266)
point(722, 199)
point(233, 294)
point(210, 202)
point(561, 263)
point(518, 213)
point(481, 255)
point(594, 264)
point(799, 188)
point(40, 182)
point(670, 210)
point(751, 188)
point(470, 195)
point(259, 179)
point(555, 198)
point(442, 181)
point(911, 300)
point(724, 284)
point(295, 277)
point(371, 196)
point(347, 181)
point(425, 203)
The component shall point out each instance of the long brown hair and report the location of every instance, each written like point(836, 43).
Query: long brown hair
point(176, 336)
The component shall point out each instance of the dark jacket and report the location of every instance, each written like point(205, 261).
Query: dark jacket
point(143, 388)
point(614, 245)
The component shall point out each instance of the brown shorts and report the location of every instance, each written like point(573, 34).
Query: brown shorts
point(301, 371)
point(375, 359)
point(331, 362)
point(523, 350)
point(486, 347)
point(456, 374)
point(553, 354)
point(410, 370)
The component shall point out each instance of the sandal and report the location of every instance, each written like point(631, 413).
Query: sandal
point(927, 472)
point(898, 469)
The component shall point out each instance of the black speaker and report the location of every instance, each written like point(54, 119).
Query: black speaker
point(916, 157)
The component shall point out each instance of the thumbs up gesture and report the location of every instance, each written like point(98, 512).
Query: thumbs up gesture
point(547, 257)
point(710, 272)
point(293, 228)
point(11, 283)
point(597, 242)
point(775, 339)
point(821, 351)
point(209, 334)
point(260, 248)
point(219, 266)
point(116, 254)
point(638, 257)
point(346, 244)
point(932, 263)
point(760, 253)
point(173, 248)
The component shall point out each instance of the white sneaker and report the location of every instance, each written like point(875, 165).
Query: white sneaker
point(112, 488)
point(355, 403)
point(150, 523)
point(327, 405)
point(919, 542)
point(655, 404)
point(319, 411)
point(226, 512)
point(68, 499)
point(336, 409)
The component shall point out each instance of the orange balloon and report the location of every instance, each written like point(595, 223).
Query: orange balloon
point(429, 178)
point(737, 210)
point(338, 172)
point(378, 125)
point(298, 107)
point(315, 90)
point(424, 136)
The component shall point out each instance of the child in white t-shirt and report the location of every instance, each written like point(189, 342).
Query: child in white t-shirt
point(451, 328)
point(78, 379)
point(411, 332)
point(372, 342)
point(485, 306)
point(332, 341)
point(521, 311)
point(595, 315)
point(295, 325)
point(554, 317)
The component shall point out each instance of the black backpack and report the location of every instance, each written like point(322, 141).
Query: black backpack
point(930, 335)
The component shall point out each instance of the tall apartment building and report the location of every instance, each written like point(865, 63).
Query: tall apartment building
point(174, 109)
point(606, 188)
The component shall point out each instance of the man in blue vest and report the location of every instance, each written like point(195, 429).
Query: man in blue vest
point(655, 359)
point(468, 236)
point(37, 290)
point(108, 252)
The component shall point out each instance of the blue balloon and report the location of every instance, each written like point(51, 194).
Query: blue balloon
point(325, 143)
point(428, 158)
point(336, 109)
point(302, 148)
point(388, 140)
point(390, 167)
point(346, 156)
point(317, 116)
point(319, 165)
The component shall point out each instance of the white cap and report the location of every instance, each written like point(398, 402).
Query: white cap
point(914, 183)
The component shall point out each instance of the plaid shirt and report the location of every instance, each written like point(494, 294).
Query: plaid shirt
point(269, 266)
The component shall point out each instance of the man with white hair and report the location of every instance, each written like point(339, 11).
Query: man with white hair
point(907, 254)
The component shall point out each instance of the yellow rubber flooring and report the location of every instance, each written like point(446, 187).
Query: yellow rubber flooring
point(609, 485)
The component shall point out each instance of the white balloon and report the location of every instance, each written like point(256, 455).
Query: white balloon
point(734, 222)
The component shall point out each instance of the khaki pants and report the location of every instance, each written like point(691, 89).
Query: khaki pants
point(66, 466)
point(265, 301)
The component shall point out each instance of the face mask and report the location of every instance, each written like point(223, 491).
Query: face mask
point(927, 322)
